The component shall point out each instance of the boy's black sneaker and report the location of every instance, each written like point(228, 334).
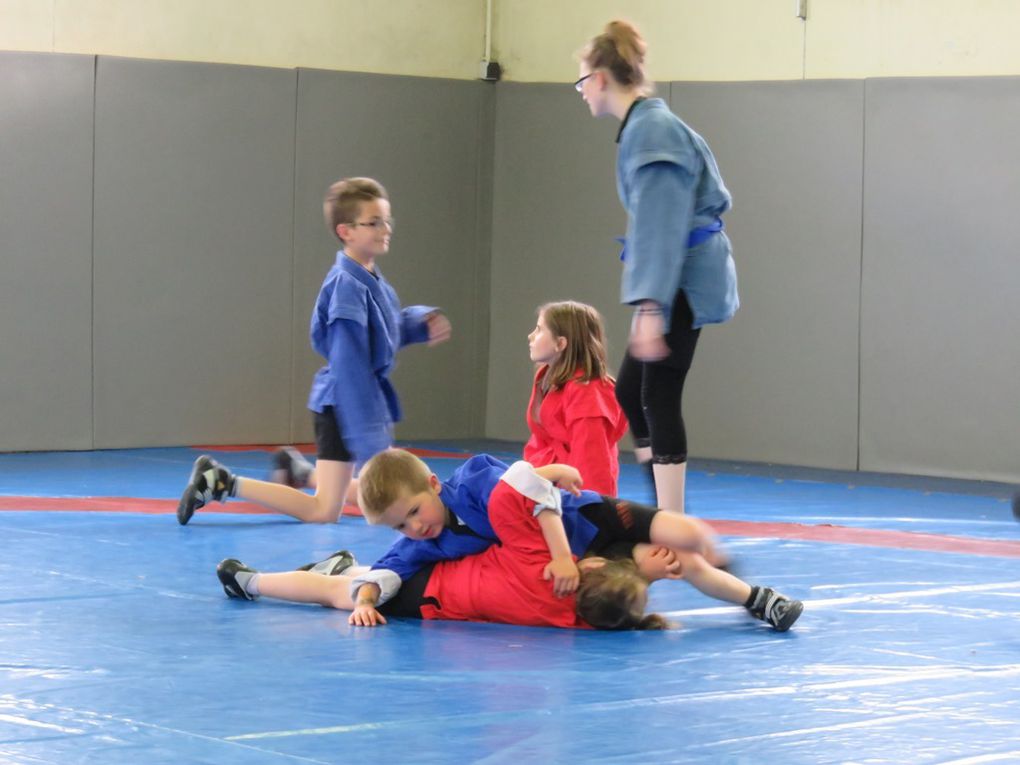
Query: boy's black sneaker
point(335, 564)
point(775, 608)
point(291, 468)
point(209, 480)
point(227, 571)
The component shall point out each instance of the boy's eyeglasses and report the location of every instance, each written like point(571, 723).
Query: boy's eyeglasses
point(378, 224)
point(580, 81)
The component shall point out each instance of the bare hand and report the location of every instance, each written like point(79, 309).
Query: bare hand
point(565, 576)
point(657, 562)
point(648, 335)
point(365, 616)
point(569, 479)
point(439, 328)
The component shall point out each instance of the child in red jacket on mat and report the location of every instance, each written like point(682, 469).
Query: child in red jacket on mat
point(504, 583)
point(507, 579)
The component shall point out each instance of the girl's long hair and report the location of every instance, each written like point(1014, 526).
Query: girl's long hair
point(581, 325)
point(614, 597)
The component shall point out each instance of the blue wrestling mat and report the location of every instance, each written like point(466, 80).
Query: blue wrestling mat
point(117, 644)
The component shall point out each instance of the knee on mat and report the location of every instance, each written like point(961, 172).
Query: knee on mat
point(324, 514)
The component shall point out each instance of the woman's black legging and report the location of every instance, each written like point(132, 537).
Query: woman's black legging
point(650, 393)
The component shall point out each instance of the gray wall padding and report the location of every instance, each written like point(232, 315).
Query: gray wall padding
point(940, 340)
point(193, 219)
point(162, 243)
point(779, 382)
point(555, 216)
point(45, 251)
point(428, 142)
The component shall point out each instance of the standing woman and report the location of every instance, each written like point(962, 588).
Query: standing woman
point(678, 270)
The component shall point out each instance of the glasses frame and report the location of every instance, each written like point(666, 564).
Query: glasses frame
point(579, 82)
point(377, 224)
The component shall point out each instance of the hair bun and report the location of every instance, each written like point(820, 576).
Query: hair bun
point(627, 41)
point(620, 50)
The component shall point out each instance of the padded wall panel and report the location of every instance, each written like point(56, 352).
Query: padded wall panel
point(428, 141)
point(779, 382)
point(555, 216)
point(940, 360)
point(193, 225)
point(45, 251)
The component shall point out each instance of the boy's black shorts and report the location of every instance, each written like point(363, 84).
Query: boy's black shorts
point(619, 522)
point(616, 551)
point(411, 598)
point(329, 442)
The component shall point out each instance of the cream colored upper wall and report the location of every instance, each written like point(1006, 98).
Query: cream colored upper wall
point(26, 25)
point(534, 40)
point(720, 40)
point(913, 38)
point(430, 38)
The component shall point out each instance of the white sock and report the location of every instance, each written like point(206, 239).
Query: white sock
point(249, 581)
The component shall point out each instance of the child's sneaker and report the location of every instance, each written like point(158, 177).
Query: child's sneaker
point(773, 607)
point(233, 576)
point(209, 480)
point(291, 468)
point(335, 564)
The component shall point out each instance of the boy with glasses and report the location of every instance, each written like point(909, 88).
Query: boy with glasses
point(357, 327)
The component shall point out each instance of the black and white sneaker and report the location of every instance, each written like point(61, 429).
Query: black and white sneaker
point(209, 480)
point(775, 608)
point(291, 468)
point(228, 571)
point(335, 564)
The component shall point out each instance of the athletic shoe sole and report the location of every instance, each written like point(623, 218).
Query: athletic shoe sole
point(190, 502)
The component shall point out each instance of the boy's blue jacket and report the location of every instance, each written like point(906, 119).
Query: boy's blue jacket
point(358, 327)
point(670, 186)
point(466, 495)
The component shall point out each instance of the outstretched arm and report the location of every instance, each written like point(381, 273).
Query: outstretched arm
point(361, 594)
point(423, 324)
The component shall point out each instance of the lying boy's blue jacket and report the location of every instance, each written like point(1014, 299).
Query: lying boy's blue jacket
point(466, 495)
point(358, 327)
point(670, 185)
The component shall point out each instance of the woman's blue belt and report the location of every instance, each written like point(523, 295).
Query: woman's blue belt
point(697, 236)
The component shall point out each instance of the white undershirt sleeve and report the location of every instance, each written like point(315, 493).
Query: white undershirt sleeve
point(388, 582)
point(523, 479)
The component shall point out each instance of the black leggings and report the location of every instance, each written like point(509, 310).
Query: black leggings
point(650, 393)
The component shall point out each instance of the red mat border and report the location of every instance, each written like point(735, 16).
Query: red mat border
point(905, 540)
point(309, 450)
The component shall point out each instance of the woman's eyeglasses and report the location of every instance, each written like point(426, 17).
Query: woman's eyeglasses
point(580, 81)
